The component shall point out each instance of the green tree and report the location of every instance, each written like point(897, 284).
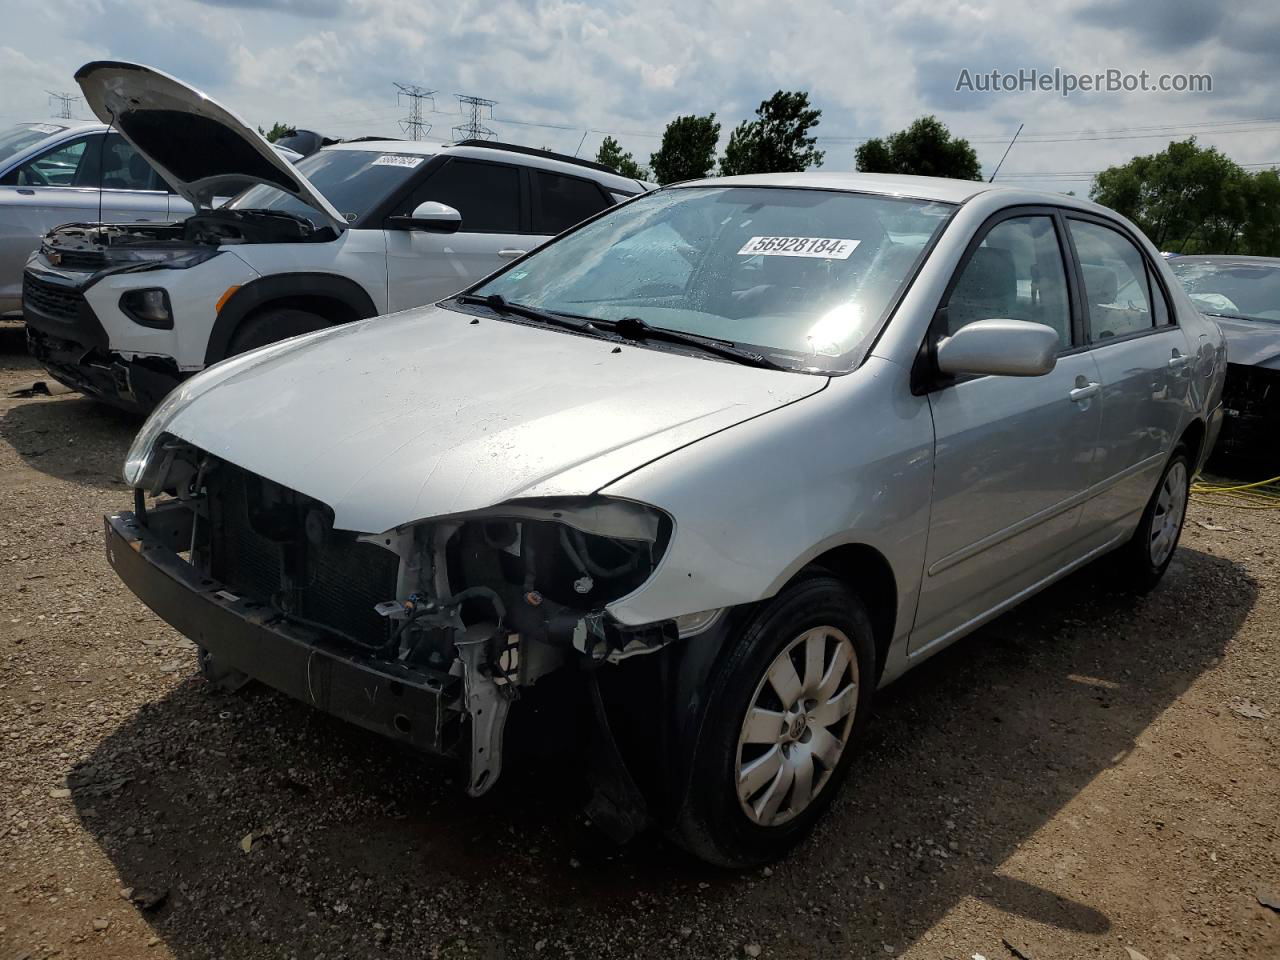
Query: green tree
point(777, 140)
point(926, 149)
point(612, 155)
point(277, 131)
point(1192, 199)
point(688, 149)
point(1261, 233)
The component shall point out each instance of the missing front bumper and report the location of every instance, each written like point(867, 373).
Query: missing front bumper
point(420, 707)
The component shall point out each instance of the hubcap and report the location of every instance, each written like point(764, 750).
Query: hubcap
point(1171, 506)
point(796, 726)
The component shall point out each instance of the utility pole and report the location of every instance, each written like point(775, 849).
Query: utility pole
point(473, 129)
point(414, 124)
point(66, 99)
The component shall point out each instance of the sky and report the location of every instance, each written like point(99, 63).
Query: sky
point(565, 73)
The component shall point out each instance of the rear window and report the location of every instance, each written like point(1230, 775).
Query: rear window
point(354, 181)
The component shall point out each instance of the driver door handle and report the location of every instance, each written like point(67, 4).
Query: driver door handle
point(1178, 361)
point(511, 252)
point(1090, 389)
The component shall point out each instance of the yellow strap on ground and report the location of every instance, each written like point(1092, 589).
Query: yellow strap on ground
point(1259, 495)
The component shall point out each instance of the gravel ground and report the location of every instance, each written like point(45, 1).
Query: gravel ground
point(1088, 776)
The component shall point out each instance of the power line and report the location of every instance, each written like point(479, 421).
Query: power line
point(473, 129)
point(414, 124)
point(66, 99)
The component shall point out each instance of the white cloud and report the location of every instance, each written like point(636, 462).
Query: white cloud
point(627, 68)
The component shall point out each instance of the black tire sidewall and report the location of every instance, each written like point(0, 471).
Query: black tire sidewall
point(1142, 573)
point(272, 325)
point(712, 824)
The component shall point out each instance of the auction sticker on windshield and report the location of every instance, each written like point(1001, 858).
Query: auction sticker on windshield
point(827, 248)
point(397, 160)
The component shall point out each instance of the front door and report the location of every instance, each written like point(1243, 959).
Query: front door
point(423, 267)
point(1014, 456)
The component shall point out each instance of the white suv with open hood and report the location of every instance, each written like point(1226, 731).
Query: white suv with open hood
point(124, 312)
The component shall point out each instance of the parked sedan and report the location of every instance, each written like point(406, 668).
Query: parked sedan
point(730, 456)
point(1243, 295)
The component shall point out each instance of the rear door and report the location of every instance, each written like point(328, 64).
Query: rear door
point(423, 267)
point(132, 192)
point(1014, 456)
point(1144, 363)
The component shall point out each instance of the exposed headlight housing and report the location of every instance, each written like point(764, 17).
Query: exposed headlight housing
point(148, 307)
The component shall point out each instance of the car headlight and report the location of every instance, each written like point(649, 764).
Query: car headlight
point(567, 554)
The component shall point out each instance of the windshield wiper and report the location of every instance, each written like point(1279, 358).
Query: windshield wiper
point(1239, 316)
point(633, 328)
point(500, 304)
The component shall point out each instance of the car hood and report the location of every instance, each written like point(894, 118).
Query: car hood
point(432, 412)
point(195, 143)
point(1252, 343)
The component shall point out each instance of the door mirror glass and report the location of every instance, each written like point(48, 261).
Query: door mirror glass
point(1009, 348)
point(429, 215)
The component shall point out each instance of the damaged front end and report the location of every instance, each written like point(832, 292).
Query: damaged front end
point(426, 633)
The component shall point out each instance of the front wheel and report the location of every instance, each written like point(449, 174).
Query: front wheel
point(1146, 557)
point(273, 325)
point(783, 710)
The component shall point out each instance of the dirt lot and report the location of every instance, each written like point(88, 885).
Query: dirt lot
point(1086, 775)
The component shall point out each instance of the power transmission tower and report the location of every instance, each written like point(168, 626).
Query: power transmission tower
point(413, 124)
point(473, 129)
point(66, 99)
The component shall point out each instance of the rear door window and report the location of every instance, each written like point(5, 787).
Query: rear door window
point(559, 201)
point(123, 168)
point(1116, 293)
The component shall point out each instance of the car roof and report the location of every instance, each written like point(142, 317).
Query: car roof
point(529, 158)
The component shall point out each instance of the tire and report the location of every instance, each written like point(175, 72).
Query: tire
point(271, 325)
point(715, 823)
point(1145, 558)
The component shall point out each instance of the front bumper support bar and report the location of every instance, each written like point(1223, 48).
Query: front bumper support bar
point(420, 707)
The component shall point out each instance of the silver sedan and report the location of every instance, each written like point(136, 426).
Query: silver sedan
point(732, 455)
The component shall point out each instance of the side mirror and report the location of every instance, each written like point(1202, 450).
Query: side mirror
point(432, 216)
point(1007, 348)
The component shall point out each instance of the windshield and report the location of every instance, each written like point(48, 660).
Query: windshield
point(14, 140)
point(1250, 291)
point(804, 276)
point(354, 181)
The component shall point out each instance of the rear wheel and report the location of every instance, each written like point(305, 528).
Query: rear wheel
point(272, 325)
point(1147, 556)
point(783, 710)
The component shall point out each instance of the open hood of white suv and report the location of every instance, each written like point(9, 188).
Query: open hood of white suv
point(195, 143)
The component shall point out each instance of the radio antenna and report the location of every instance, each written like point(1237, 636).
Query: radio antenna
point(1006, 153)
